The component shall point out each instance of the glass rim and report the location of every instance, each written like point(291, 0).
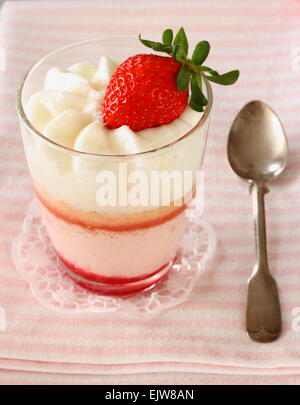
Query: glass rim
point(28, 124)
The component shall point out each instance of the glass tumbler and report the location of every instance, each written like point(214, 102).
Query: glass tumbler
point(109, 241)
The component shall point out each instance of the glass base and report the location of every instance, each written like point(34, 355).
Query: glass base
point(118, 289)
point(52, 283)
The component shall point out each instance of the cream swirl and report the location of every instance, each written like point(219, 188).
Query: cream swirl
point(65, 111)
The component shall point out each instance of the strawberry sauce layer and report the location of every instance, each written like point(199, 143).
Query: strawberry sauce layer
point(96, 278)
point(96, 221)
point(122, 289)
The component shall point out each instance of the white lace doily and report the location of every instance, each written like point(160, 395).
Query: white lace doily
point(37, 262)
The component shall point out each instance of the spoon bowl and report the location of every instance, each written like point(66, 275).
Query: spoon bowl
point(257, 145)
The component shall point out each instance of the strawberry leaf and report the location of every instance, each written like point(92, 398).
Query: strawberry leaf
point(209, 70)
point(183, 78)
point(178, 49)
point(199, 81)
point(167, 37)
point(197, 96)
point(201, 52)
point(156, 46)
point(194, 106)
point(225, 79)
point(179, 54)
point(181, 40)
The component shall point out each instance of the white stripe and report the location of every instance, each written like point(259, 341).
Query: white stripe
point(148, 19)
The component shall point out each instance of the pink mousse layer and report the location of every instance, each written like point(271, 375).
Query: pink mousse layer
point(111, 254)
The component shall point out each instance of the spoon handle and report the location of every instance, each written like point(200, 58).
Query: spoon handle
point(263, 316)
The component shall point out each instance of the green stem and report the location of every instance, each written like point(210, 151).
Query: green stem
point(191, 67)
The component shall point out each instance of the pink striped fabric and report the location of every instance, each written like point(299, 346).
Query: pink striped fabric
point(202, 340)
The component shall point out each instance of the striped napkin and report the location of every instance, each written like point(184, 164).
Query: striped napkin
point(202, 340)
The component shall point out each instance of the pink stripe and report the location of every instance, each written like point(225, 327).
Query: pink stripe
point(227, 341)
point(193, 307)
point(22, 187)
point(237, 287)
point(106, 26)
point(92, 11)
point(93, 322)
point(216, 42)
point(41, 44)
point(40, 365)
point(20, 63)
point(48, 349)
point(9, 231)
point(31, 378)
point(137, 366)
point(11, 216)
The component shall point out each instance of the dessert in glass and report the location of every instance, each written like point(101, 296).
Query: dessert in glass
point(85, 166)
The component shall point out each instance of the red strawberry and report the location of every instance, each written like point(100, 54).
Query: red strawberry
point(150, 90)
point(142, 93)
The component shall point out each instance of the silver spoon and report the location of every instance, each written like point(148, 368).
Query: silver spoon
point(257, 151)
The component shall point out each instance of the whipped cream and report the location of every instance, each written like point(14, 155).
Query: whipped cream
point(66, 111)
